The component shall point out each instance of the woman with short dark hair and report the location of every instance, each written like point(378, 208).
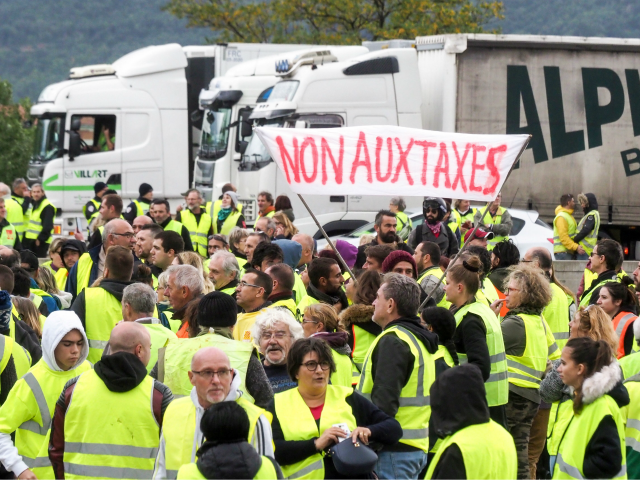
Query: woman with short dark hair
point(306, 418)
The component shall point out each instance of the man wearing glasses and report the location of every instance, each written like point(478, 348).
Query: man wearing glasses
point(214, 381)
point(252, 295)
point(605, 259)
point(90, 266)
point(110, 209)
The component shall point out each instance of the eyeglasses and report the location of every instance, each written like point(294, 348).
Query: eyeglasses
point(128, 235)
point(209, 374)
point(432, 209)
point(245, 284)
point(593, 254)
point(309, 321)
point(312, 366)
point(509, 290)
point(276, 335)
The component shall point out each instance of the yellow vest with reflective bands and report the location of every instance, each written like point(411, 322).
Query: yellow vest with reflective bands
point(21, 357)
point(102, 312)
point(487, 450)
point(435, 271)
point(558, 247)
point(589, 242)
point(160, 336)
point(362, 341)
point(229, 223)
point(497, 385)
point(527, 370)
point(414, 404)
point(267, 471)
point(570, 459)
point(491, 220)
point(630, 365)
point(174, 226)
point(298, 287)
point(197, 231)
point(559, 417)
point(557, 315)
point(37, 391)
point(217, 205)
point(179, 352)
point(83, 272)
point(298, 423)
point(631, 413)
point(109, 434)
point(586, 297)
point(9, 236)
point(179, 431)
point(15, 216)
point(35, 222)
point(141, 208)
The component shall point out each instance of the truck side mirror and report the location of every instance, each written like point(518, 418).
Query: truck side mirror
point(75, 149)
point(75, 124)
point(246, 129)
point(243, 147)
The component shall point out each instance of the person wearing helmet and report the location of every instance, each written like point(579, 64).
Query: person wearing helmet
point(433, 229)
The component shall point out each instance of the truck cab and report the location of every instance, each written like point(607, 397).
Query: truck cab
point(375, 88)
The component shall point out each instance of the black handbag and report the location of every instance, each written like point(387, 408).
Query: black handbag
point(353, 459)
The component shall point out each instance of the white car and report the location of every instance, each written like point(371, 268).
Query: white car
point(528, 230)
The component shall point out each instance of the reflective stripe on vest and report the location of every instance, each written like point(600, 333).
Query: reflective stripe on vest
point(35, 222)
point(89, 424)
point(229, 224)
point(298, 423)
point(497, 386)
point(558, 246)
point(414, 402)
point(586, 297)
point(572, 448)
point(141, 208)
point(621, 322)
point(198, 231)
point(491, 220)
point(589, 242)
point(102, 312)
point(632, 429)
point(174, 226)
point(8, 236)
point(83, 272)
point(527, 370)
point(493, 457)
point(557, 315)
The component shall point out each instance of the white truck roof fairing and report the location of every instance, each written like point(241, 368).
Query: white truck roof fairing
point(150, 60)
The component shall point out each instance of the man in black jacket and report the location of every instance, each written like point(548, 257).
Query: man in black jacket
point(40, 228)
point(393, 367)
point(605, 259)
point(385, 227)
point(434, 229)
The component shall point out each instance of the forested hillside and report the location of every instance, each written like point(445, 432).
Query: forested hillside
point(41, 39)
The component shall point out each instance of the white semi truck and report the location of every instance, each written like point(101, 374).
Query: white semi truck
point(127, 123)
point(578, 97)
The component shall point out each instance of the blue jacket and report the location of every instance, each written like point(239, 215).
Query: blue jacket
point(50, 302)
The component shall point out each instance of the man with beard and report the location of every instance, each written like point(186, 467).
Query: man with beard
point(385, 227)
point(144, 245)
point(433, 229)
point(276, 330)
point(325, 285)
point(197, 221)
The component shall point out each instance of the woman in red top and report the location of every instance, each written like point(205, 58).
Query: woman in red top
point(621, 304)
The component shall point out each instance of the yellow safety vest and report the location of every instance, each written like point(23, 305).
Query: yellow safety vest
point(174, 226)
point(470, 215)
point(445, 355)
point(414, 407)
point(83, 272)
point(160, 336)
point(179, 352)
point(174, 325)
point(28, 411)
point(21, 357)
point(179, 431)
point(631, 413)
point(197, 231)
point(630, 365)
point(557, 315)
point(268, 215)
point(570, 459)
point(35, 222)
point(589, 242)
point(497, 385)
point(435, 271)
point(267, 471)
point(305, 302)
point(60, 275)
point(9, 236)
point(487, 449)
point(102, 312)
point(298, 287)
point(343, 376)
point(527, 370)
point(558, 247)
point(217, 205)
point(586, 298)
point(142, 208)
point(490, 220)
point(362, 341)
point(298, 423)
point(289, 304)
point(97, 205)
point(109, 434)
point(15, 216)
point(229, 223)
point(242, 329)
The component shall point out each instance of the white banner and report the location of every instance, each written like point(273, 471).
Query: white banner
point(388, 160)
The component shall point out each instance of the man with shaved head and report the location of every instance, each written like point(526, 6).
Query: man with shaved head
point(140, 222)
point(308, 247)
point(213, 381)
point(118, 411)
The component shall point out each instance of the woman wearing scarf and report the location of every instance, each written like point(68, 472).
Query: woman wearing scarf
point(228, 216)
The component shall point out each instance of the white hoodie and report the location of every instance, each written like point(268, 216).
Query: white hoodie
point(58, 324)
point(262, 439)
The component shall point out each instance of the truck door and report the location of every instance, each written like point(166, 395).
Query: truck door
point(98, 158)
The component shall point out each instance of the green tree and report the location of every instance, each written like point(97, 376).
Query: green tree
point(16, 141)
point(334, 21)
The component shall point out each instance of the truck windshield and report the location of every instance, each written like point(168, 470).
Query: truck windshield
point(256, 156)
point(215, 134)
point(47, 139)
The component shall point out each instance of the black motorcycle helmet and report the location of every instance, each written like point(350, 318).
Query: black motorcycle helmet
point(434, 202)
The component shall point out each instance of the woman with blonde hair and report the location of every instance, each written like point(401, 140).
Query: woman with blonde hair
point(195, 260)
point(321, 321)
point(47, 282)
point(591, 322)
point(284, 228)
point(29, 314)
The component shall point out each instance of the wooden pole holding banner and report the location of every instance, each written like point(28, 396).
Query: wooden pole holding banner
point(486, 208)
point(344, 264)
